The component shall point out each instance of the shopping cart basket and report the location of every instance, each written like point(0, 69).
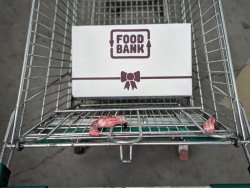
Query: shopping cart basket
point(46, 114)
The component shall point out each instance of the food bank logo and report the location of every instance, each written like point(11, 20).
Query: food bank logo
point(130, 43)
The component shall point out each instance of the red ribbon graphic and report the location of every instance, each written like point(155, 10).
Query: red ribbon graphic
point(130, 79)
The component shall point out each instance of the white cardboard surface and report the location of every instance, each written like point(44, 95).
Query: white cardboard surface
point(160, 52)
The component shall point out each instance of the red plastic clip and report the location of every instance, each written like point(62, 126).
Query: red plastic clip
point(209, 125)
point(106, 121)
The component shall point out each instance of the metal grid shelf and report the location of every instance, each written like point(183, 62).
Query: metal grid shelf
point(142, 123)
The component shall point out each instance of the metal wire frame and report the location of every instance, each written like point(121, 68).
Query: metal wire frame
point(45, 85)
point(211, 59)
point(154, 122)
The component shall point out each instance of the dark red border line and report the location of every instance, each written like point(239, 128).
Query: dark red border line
point(142, 78)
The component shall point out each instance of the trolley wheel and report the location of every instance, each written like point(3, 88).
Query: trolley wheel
point(183, 152)
point(80, 150)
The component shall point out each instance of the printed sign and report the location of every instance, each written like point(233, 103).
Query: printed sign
point(131, 60)
point(130, 43)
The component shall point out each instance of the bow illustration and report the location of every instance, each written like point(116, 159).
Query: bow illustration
point(130, 79)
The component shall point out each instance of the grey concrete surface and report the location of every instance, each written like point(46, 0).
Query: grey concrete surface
point(238, 27)
point(13, 29)
point(152, 166)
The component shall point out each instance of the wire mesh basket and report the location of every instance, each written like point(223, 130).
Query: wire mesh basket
point(46, 114)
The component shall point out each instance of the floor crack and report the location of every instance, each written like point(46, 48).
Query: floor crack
point(38, 164)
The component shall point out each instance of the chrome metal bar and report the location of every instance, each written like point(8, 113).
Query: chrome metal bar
point(10, 157)
point(222, 43)
point(166, 11)
point(196, 59)
point(128, 104)
point(29, 72)
point(201, 129)
point(49, 62)
point(207, 60)
point(231, 69)
point(10, 124)
point(23, 71)
point(245, 149)
point(63, 50)
point(130, 155)
point(55, 128)
point(160, 143)
point(244, 117)
point(130, 109)
point(131, 141)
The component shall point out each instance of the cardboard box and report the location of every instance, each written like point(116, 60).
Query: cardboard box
point(131, 60)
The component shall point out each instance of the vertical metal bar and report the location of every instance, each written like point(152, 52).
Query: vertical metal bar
point(196, 57)
point(110, 14)
point(130, 154)
point(99, 12)
point(170, 117)
point(50, 60)
point(166, 11)
point(29, 71)
point(162, 117)
point(7, 135)
point(146, 121)
point(158, 11)
point(23, 69)
point(247, 154)
point(115, 12)
point(153, 11)
point(63, 51)
point(244, 118)
point(184, 20)
point(195, 123)
point(232, 70)
point(122, 15)
point(93, 13)
point(131, 13)
point(136, 10)
point(155, 120)
point(216, 11)
point(177, 117)
point(183, 12)
point(147, 12)
point(79, 122)
point(75, 15)
point(142, 12)
point(175, 12)
point(207, 59)
point(75, 12)
point(10, 157)
point(126, 13)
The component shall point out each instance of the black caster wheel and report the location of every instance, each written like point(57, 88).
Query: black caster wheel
point(80, 150)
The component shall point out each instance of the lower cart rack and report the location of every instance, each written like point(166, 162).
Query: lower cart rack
point(72, 126)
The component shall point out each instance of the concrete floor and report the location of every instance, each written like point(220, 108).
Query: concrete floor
point(152, 166)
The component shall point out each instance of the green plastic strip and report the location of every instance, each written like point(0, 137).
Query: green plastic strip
point(120, 129)
point(4, 175)
point(40, 186)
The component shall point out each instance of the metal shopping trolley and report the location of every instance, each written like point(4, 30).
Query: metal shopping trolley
point(46, 114)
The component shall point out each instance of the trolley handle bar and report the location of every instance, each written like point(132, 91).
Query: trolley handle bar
point(125, 142)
